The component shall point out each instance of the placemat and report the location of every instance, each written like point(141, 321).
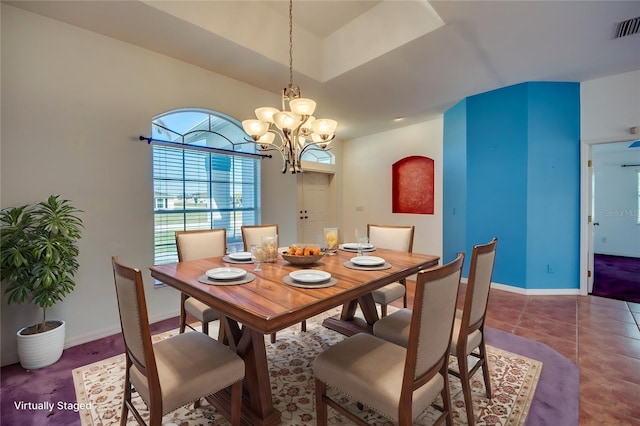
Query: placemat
point(290, 281)
point(349, 264)
point(246, 279)
point(230, 260)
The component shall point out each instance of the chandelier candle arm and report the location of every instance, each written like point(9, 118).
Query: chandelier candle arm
point(297, 129)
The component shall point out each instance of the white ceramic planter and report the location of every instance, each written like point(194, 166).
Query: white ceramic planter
point(42, 349)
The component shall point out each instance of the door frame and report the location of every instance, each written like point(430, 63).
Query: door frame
point(586, 206)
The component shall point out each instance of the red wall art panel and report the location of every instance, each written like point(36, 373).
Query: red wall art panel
point(412, 182)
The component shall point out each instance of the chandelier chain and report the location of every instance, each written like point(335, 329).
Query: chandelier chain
point(291, 43)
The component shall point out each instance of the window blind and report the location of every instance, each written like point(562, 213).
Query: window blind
point(198, 189)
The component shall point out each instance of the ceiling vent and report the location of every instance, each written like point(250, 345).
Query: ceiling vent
point(628, 27)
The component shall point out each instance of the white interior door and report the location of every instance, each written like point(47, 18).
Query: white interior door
point(314, 203)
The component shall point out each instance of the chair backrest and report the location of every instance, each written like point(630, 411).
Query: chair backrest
point(253, 234)
point(134, 321)
point(201, 243)
point(477, 294)
point(431, 327)
point(392, 237)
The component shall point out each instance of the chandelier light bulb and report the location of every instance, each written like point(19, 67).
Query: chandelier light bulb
point(255, 128)
point(324, 127)
point(266, 139)
point(302, 106)
point(286, 120)
point(266, 113)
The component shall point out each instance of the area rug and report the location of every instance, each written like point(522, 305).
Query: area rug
point(617, 277)
point(513, 379)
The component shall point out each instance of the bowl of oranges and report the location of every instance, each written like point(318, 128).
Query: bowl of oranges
point(302, 254)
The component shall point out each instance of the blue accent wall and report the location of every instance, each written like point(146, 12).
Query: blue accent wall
point(518, 148)
point(454, 170)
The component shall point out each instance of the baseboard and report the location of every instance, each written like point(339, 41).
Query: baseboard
point(533, 291)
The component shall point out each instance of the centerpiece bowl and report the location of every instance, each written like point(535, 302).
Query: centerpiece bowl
point(302, 254)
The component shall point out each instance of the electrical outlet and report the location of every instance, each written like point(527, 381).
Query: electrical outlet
point(549, 268)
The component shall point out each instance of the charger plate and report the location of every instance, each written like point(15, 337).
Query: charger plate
point(349, 264)
point(290, 281)
point(246, 279)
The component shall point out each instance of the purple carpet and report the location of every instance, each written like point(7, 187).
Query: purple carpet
point(555, 402)
point(617, 277)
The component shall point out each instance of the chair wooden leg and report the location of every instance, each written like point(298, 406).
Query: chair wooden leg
point(236, 403)
point(205, 328)
point(273, 337)
point(303, 325)
point(383, 310)
point(463, 368)
point(321, 407)
point(446, 397)
point(485, 368)
point(127, 398)
point(183, 312)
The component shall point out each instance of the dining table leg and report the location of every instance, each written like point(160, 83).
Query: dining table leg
point(257, 404)
point(348, 324)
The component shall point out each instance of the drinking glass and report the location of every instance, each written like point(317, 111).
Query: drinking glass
point(257, 254)
point(331, 240)
point(361, 244)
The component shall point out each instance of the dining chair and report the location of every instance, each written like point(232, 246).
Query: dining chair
point(468, 327)
point(174, 371)
point(392, 237)
point(398, 382)
point(253, 235)
point(192, 245)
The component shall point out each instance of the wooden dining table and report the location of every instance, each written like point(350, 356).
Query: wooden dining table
point(266, 305)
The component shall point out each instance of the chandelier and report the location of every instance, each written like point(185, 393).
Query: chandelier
point(296, 127)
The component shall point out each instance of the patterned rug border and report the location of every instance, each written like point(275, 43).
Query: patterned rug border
point(487, 412)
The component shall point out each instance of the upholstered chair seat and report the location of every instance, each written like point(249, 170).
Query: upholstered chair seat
point(187, 364)
point(367, 356)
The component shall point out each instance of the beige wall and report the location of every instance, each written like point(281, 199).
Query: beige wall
point(366, 178)
point(73, 105)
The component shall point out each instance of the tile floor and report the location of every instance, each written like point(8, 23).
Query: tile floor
point(601, 335)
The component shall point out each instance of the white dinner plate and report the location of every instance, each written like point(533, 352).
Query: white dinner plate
point(226, 273)
point(367, 260)
point(310, 276)
point(240, 255)
point(355, 246)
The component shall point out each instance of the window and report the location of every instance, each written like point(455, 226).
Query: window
point(204, 176)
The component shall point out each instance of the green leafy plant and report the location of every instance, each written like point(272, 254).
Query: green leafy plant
point(38, 252)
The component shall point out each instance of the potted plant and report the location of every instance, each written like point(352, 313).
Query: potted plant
point(38, 259)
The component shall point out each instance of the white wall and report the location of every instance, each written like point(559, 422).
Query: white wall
point(616, 202)
point(73, 105)
point(609, 107)
point(366, 173)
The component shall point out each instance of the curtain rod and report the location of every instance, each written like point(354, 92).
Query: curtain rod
point(202, 148)
point(630, 165)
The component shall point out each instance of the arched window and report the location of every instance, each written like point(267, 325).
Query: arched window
point(319, 156)
point(205, 176)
